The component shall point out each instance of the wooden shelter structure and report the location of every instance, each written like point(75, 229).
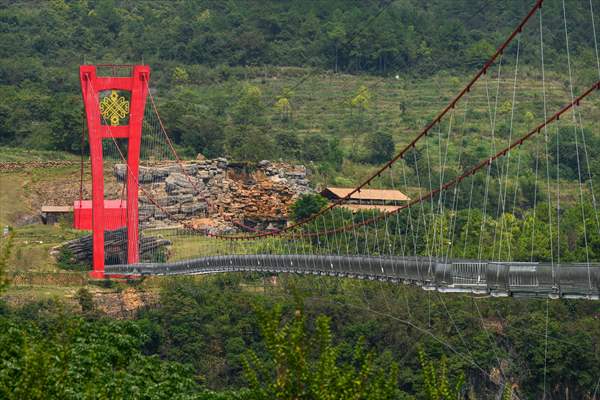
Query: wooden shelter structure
point(384, 200)
point(52, 214)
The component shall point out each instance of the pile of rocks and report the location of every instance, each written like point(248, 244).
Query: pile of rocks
point(217, 189)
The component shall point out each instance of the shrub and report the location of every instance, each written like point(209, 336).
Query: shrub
point(307, 205)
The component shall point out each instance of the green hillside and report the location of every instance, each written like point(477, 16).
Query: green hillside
point(319, 54)
point(340, 86)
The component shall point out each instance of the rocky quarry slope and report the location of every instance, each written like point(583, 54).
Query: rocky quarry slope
point(217, 195)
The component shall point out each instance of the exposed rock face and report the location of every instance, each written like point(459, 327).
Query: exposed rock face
point(217, 190)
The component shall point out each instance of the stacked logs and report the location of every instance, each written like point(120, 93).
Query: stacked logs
point(115, 247)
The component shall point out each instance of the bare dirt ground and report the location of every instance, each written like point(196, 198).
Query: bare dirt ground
point(61, 186)
point(23, 192)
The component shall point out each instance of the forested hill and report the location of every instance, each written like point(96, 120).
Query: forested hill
point(353, 35)
point(203, 42)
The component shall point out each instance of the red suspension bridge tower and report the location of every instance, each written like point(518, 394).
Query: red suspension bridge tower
point(108, 118)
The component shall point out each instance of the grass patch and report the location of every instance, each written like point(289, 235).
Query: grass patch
point(19, 154)
point(12, 198)
point(32, 246)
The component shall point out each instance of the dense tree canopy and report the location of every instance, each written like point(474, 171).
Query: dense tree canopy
point(189, 43)
point(208, 341)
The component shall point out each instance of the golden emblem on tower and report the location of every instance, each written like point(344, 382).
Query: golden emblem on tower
point(114, 108)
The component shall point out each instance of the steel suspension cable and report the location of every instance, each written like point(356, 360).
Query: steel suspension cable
point(485, 163)
point(546, 148)
point(499, 52)
point(492, 115)
point(506, 166)
point(450, 247)
point(590, 176)
point(595, 38)
point(577, 145)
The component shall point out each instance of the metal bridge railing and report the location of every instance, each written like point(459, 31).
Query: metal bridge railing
point(479, 277)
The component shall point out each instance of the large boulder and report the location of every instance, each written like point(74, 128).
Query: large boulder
point(182, 198)
point(146, 174)
point(120, 171)
point(176, 181)
point(222, 162)
point(193, 208)
point(204, 175)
